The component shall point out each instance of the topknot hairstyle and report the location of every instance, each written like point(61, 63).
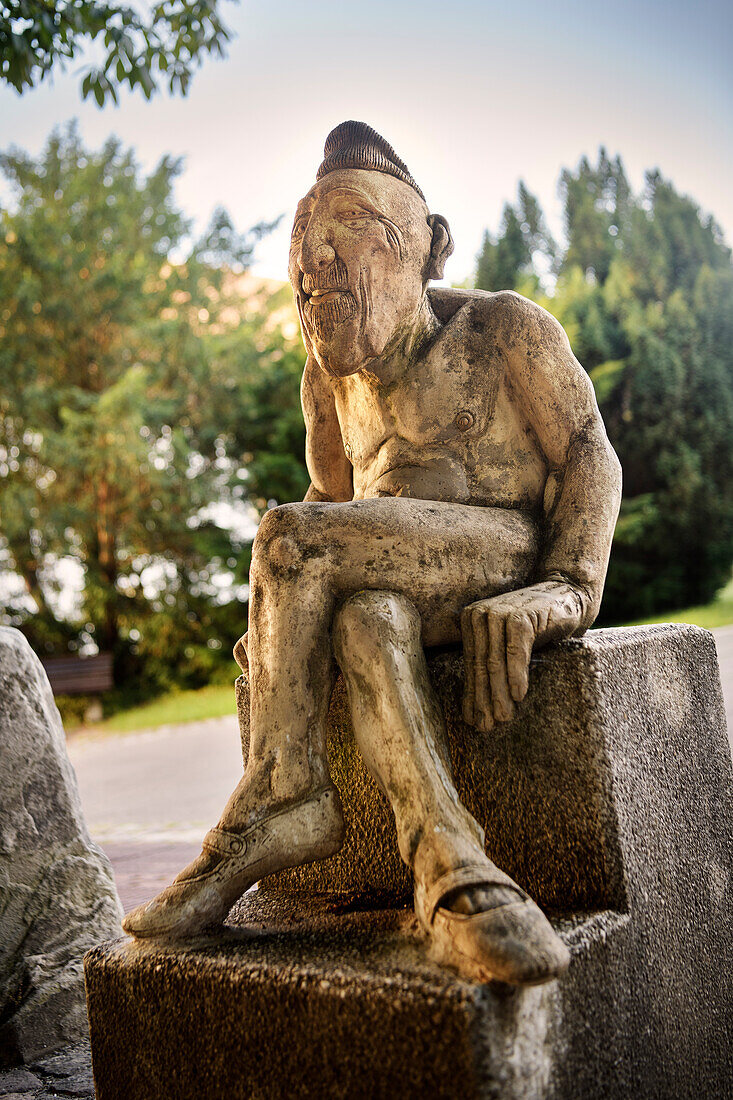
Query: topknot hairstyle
point(356, 145)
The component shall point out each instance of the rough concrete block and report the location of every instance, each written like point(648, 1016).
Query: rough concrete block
point(610, 798)
point(57, 891)
point(315, 999)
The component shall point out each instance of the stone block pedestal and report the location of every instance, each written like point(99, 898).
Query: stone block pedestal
point(610, 798)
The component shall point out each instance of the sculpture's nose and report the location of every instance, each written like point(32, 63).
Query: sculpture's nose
point(315, 250)
point(324, 255)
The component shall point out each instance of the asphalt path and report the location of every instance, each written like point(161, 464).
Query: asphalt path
point(149, 797)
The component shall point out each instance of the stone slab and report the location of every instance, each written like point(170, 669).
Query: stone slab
point(66, 1073)
point(306, 995)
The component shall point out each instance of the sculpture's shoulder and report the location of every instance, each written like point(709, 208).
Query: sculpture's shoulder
point(448, 301)
point(502, 316)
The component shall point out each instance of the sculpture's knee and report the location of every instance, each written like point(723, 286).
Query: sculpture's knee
point(370, 623)
point(284, 542)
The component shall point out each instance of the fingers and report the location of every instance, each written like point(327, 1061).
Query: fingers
point(483, 713)
point(503, 704)
point(498, 639)
point(469, 664)
point(520, 638)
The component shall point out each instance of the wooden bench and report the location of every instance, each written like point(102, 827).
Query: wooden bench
point(79, 675)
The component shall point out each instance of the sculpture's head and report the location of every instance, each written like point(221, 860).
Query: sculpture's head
point(362, 251)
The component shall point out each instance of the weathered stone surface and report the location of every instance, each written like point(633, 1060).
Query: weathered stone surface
point(67, 1073)
point(319, 1000)
point(57, 892)
point(319, 996)
point(19, 1080)
point(69, 1070)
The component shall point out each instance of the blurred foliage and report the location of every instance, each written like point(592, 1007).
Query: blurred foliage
point(164, 45)
point(170, 708)
point(644, 288)
point(74, 708)
point(257, 403)
point(133, 392)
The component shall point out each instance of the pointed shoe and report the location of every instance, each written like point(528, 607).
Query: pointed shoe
point(296, 834)
point(513, 943)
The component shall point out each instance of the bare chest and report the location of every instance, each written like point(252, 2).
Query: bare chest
point(447, 399)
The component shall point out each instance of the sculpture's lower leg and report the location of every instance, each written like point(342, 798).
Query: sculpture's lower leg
point(478, 919)
point(285, 810)
point(400, 731)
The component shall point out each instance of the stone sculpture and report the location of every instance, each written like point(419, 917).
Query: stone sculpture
point(462, 489)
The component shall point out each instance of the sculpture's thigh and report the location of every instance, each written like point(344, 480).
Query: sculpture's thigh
point(441, 556)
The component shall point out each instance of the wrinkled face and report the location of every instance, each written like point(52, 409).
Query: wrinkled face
point(358, 256)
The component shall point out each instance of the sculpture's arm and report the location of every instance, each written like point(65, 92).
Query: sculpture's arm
point(329, 468)
point(583, 491)
point(581, 504)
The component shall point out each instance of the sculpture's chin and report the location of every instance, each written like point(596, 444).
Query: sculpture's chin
point(336, 368)
point(344, 352)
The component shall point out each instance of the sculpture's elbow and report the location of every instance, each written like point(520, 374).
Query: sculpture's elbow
point(317, 496)
point(614, 475)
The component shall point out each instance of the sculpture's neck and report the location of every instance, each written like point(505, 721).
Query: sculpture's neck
point(408, 343)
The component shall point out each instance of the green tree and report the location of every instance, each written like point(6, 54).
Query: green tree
point(669, 242)
point(597, 209)
point(110, 453)
point(258, 372)
point(645, 292)
point(140, 51)
point(507, 261)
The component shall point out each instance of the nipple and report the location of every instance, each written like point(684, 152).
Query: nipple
point(465, 420)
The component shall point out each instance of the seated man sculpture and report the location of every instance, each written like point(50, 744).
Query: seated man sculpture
point(463, 488)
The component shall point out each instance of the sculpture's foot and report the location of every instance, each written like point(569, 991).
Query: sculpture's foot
point(204, 892)
point(484, 926)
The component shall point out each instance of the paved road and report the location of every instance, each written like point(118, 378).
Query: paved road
point(149, 797)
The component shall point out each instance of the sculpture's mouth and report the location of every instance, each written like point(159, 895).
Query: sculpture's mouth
point(326, 300)
point(318, 297)
point(326, 280)
point(323, 312)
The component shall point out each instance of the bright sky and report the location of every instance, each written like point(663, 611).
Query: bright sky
point(473, 95)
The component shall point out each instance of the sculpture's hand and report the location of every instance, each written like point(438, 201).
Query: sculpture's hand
point(499, 635)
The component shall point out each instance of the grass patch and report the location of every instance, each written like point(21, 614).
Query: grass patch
point(719, 612)
point(172, 709)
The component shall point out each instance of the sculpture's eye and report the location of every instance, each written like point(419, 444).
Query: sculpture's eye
point(354, 216)
point(299, 228)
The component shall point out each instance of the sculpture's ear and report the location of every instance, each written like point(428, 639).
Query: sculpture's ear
point(441, 247)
